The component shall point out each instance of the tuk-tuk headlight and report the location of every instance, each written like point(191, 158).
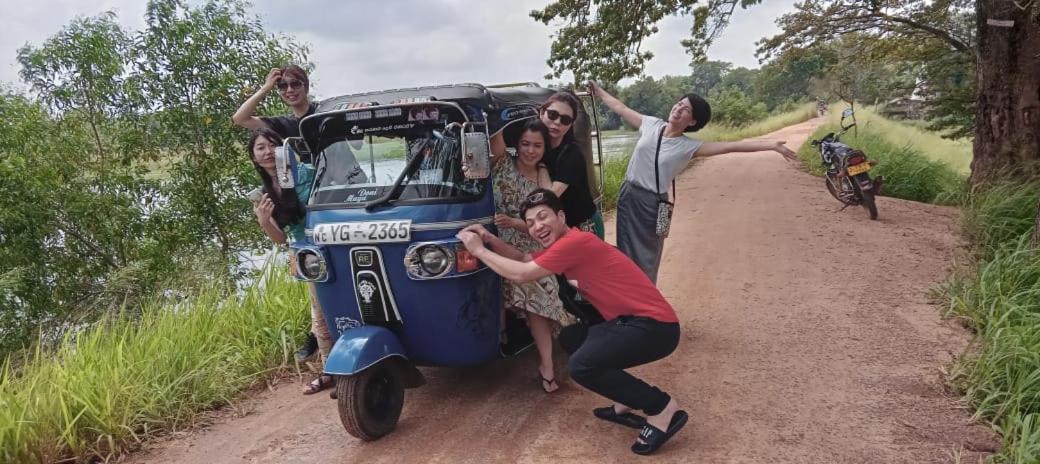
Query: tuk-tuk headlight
point(429, 261)
point(312, 264)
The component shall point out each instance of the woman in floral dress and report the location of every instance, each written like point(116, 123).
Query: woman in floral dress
point(515, 177)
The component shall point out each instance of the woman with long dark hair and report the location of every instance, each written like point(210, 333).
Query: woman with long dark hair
point(280, 214)
point(514, 178)
point(570, 180)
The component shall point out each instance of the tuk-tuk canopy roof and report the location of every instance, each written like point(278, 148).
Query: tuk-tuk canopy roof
point(503, 104)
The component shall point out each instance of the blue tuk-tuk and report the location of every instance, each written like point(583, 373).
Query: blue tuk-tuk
point(394, 182)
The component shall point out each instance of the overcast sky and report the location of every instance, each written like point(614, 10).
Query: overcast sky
point(372, 45)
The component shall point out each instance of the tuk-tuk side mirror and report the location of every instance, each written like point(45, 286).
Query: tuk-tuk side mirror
point(847, 113)
point(476, 155)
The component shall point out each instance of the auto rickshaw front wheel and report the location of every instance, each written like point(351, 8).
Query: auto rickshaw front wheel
point(370, 401)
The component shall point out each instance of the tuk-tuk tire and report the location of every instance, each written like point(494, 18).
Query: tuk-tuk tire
point(370, 401)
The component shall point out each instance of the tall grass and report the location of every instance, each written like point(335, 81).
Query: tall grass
point(107, 387)
point(1000, 296)
point(616, 161)
point(1002, 379)
point(956, 154)
point(999, 213)
point(907, 172)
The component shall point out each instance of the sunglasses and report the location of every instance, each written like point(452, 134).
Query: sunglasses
point(534, 198)
point(564, 118)
point(285, 85)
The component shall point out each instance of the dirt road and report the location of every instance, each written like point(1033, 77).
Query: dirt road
point(808, 337)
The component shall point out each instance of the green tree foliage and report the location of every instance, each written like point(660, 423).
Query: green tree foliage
point(741, 78)
point(933, 38)
point(705, 75)
point(87, 220)
point(730, 106)
point(602, 39)
point(789, 75)
point(194, 63)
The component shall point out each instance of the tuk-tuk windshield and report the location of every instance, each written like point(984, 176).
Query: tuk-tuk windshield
point(358, 169)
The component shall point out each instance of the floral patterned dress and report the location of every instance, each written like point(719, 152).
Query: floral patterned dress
point(540, 297)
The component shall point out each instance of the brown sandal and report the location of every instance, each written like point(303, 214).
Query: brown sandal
point(319, 384)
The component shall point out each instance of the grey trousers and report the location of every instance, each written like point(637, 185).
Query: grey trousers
point(637, 228)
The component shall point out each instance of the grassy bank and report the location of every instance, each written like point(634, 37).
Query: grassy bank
point(617, 159)
point(911, 172)
point(128, 377)
point(956, 154)
point(999, 295)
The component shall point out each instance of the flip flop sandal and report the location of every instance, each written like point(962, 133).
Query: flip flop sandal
point(551, 381)
point(318, 385)
point(654, 438)
point(627, 419)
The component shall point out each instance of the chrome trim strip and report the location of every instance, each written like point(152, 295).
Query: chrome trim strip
point(452, 224)
point(427, 226)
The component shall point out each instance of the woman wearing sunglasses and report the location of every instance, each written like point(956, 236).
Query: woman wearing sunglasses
point(566, 164)
point(292, 84)
point(660, 155)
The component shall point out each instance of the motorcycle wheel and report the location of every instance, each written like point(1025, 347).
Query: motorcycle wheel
point(832, 189)
point(868, 203)
point(370, 401)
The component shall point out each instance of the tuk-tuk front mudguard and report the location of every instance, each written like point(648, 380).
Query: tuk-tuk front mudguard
point(362, 347)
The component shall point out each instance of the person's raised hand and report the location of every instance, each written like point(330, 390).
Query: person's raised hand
point(470, 240)
point(504, 222)
point(478, 229)
point(264, 208)
point(787, 153)
point(272, 78)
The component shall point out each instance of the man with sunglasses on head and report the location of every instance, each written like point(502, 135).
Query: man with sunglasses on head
point(293, 85)
point(640, 325)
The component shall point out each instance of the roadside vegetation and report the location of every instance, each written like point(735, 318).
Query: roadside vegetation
point(134, 375)
point(915, 166)
point(997, 293)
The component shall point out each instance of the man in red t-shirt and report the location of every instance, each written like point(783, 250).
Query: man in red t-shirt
point(641, 327)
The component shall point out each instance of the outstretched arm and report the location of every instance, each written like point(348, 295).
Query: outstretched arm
point(246, 114)
point(512, 269)
point(745, 146)
point(631, 116)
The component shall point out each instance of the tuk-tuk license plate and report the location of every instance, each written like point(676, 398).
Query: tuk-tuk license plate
point(859, 169)
point(363, 232)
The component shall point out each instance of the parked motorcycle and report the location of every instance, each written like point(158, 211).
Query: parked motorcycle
point(848, 169)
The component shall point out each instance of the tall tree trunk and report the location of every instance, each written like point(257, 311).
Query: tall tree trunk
point(1007, 119)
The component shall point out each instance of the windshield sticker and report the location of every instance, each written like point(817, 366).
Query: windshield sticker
point(358, 130)
point(388, 113)
point(363, 195)
point(518, 112)
point(424, 113)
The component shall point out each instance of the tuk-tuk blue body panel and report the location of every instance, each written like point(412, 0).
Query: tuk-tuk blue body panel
point(361, 347)
point(450, 321)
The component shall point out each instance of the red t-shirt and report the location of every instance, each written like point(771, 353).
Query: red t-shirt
point(605, 276)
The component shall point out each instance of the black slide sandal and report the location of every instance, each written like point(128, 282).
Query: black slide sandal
point(654, 438)
point(627, 419)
